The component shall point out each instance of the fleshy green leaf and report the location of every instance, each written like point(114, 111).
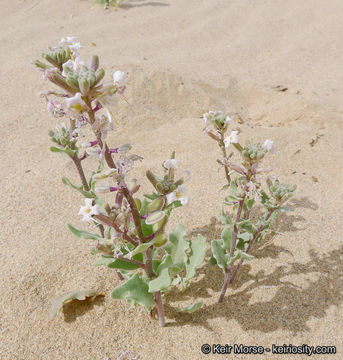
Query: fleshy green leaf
point(163, 280)
point(86, 194)
point(177, 245)
point(83, 234)
point(224, 219)
point(227, 238)
point(59, 301)
point(245, 236)
point(134, 291)
point(142, 247)
point(190, 308)
point(155, 217)
point(196, 256)
point(219, 253)
point(121, 264)
point(104, 260)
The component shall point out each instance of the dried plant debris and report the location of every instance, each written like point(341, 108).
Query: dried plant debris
point(58, 302)
point(314, 141)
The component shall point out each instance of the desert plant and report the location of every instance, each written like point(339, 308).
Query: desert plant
point(131, 236)
point(244, 184)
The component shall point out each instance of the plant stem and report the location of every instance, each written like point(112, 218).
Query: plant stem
point(157, 294)
point(251, 243)
point(132, 261)
point(79, 168)
point(226, 168)
point(160, 309)
point(111, 164)
point(232, 250)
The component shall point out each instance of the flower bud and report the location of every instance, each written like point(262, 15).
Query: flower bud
point(156, 204)
point(160, 239)
point(95, 62)
point(84, 85)
point(159, 225)
point(72, 81)
point(155, 217)
point(99, 75)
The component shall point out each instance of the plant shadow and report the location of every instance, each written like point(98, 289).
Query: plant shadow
point(76, 308)
point(285, 304)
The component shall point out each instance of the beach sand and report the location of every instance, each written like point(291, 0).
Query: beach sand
point(276, 67)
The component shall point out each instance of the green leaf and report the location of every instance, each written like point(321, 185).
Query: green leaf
point(224, 219)
point(104, 260)
point(152, 196)
point(245, 236)
point(227, 238)
point(155, 217)
point(142, 247)
point(83, 234)
point(174, 205)
point(249, 203)
point(239, 254)
point(86, 194)
point(134, 291)
point(59, 301)
point(176, 268)
point(245, 256)
point(55, 149)
point(155, 264)
point(163, 280)
point(219, 253)
point(196, 256)
point(213, 260)
point(190, 308)
point(177, 245)
point(121, 264)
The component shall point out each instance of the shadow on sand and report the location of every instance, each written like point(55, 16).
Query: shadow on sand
point(291, 306)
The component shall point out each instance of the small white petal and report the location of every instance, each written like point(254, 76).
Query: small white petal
point(119, 78)
point(171, 164)
point(268, 145)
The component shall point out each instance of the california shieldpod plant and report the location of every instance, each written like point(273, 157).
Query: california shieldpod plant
point(245, 190)
point(131, 235)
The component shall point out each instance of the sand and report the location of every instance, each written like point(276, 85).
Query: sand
point(182, 58)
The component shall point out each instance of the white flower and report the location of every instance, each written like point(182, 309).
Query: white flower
point(178, 195)
point(171, 164)
point(72, 65)
point(231, 139)
point(76, 103)
point(212, 116)
point(70, 41)
point(119, 78)
point(56, 108)
point(268, 145)
point(89, 210)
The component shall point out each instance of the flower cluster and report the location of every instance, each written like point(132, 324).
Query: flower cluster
point(245, 190)
point(133, 237)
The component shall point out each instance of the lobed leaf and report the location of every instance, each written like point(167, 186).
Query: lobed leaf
point(219, 253)
point(196, 256)
point(59, 301)
point(163, 280)
point(177, 245)
point(190, 308)
point(135, 290)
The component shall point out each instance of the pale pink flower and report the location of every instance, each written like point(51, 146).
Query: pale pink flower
point(89, 210)
point(231, 139)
